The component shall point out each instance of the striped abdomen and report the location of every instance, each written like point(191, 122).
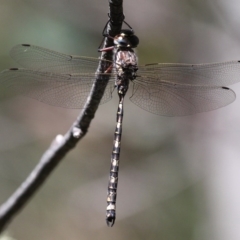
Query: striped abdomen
point(113, 178)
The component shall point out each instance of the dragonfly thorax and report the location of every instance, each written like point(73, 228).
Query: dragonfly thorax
point(126, 67)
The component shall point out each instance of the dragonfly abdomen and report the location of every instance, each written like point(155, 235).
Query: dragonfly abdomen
point(113, 178)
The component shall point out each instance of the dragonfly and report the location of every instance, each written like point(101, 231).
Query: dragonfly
point(166, 89)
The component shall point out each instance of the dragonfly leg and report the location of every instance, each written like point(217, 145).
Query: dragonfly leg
point(106, 49)
point(109, 69)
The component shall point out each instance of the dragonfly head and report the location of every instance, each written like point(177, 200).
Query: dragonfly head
point(126, 39)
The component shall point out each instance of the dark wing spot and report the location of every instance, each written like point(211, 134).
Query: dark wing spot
point(26, 45)
point(225, 88)
point(239, 61)
point(150, 64)
point(14, 69)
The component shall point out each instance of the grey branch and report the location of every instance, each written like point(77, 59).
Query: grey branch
point(63, 144)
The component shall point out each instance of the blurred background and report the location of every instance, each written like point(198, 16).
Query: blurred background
point(179, 177)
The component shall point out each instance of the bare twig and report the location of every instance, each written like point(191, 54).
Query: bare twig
point(63, 144)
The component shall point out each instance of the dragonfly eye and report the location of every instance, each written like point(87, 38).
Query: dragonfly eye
point(127, 32)
point(134, 40)
point(124, 40)
point(121, 41)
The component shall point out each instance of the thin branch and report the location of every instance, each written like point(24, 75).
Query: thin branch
point(63, 144)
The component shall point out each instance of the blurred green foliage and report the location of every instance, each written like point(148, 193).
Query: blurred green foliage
point(161, 195)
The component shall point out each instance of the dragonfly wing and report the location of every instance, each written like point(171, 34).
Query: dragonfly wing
point(62, 90)
point(212, 74)
point(42, 59)
point(170, 99)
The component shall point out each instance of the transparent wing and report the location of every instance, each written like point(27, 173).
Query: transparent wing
point(63, 90)
point(176, 99)
point(212, 74)
point(42, 59)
